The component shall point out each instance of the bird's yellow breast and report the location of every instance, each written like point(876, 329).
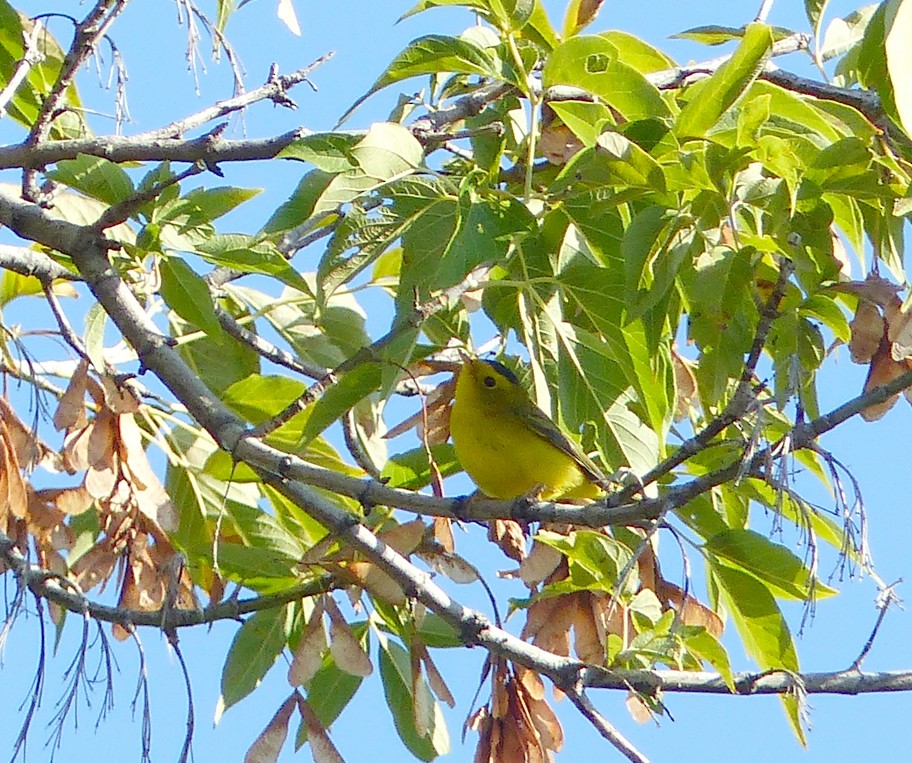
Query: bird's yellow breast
point(504, 456)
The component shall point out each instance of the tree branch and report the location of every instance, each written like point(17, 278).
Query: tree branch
point(30, 56)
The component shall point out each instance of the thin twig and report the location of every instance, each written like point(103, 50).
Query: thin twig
point(188, 737)
point(885, 597)
point(765, 7)
point(604, 727)
point(274, 89)
point(91, 29)
point(122, 211)
point(30, 56)
point(63, 324)
point(740, 402)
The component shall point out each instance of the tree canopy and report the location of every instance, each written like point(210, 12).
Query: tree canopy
point(253, 425)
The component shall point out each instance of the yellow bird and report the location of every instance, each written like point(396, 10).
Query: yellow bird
point(509, 446)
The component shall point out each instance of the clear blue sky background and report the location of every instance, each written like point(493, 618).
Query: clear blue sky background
point(365, 37)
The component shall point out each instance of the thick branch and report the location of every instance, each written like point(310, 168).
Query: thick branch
point(28, 262)
point(849, 682)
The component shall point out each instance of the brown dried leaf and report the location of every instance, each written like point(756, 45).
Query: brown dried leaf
point(13, 491)
point(539, 564)
point(95, 566)
point(405, 537)
point(558, 144)
point(75, 453)
point(435, 408)
point(482, 723)
point(373, 579)
point(554, 633)
point(150, 494)
point(686, 384)
point(435, 679)
point(121, 399)
point(453, 566)
point(101, 453)
point(546, 723)
point(100, 483)
point(587, 11)
point(321, 746)
point(867, 329)
point(28, 448)
point(267, 746)
point(70, 413)
point(508, 535)
point(70, 500)
point(443, 534)
point(344, 647)
point(883, 370)
point(874, 289)
point(693, 612)
point(639, 710)
point(841, 255)
point(899, 332)
point(586, 641)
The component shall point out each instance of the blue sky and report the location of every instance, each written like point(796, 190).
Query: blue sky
point(365, 37)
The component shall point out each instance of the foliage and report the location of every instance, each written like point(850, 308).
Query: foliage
point(668, 279)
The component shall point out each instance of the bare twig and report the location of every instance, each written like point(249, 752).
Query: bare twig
point(275, 89)
point(121, 212)
point(91, 29)
point(740, 403)
point(885, 597)
point(265, 348)
point(604, 727)
point(188, 736)
point(31, 56)
point(142, 690)
point(765, 7)
point(63, 324)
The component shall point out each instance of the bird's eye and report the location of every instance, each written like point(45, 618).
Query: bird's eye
point(490, 382)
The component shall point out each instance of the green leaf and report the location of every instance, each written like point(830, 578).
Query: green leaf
point(41, 77)
point(593, 63)
point(250, 254)
point(300, 204)
point(595, 560)
point(387, 151)
point(258, 398)
point(329, 152)
point(208, 204)
point(438, 54)
point(255, 648)
point(710, 34)
point(705, 646)
point(340, 398)
point(396, 675)
point(95, 320)
point(512, 14)
point(763, 629)
point(814, 10)
point(188, 295)
point(783, 573)
point(219, 363)
point(712, 97)
point(898, 26)
point(411, 470)
point(99, 178)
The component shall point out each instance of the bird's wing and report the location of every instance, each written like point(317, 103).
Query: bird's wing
point(545, 428)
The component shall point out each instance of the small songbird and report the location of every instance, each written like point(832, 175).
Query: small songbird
point(508, 445)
